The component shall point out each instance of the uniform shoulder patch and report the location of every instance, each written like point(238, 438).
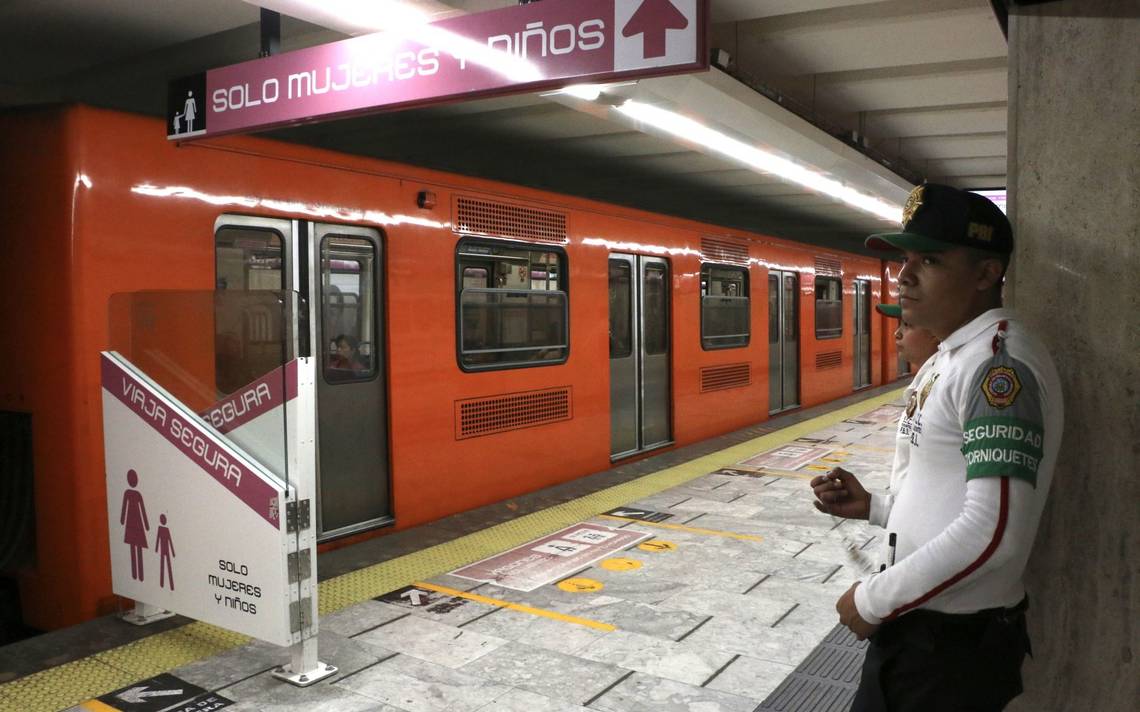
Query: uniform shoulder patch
point(1000, 386)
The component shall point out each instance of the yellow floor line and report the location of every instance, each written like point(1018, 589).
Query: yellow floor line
point(72, 683)
point(598, 625)
point(683, 528)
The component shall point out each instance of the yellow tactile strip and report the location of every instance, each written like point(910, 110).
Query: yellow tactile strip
point(81, 680)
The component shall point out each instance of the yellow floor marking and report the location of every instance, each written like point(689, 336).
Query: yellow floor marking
point(620, 564)
point(97, 706)
point(598, 625)
point(581, 585)
point(60, 687)
point(657, 545)
point(824, 468)
point(832, 459)
point(683, 528)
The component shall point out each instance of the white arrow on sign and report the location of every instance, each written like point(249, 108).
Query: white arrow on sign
point(416, 596)
point(633, 513)
point(138, 695)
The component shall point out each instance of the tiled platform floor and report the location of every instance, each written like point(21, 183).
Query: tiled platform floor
point(715, 622)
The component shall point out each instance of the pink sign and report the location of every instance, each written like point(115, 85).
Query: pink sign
point(555, 556)
point(519, 49)
point(254, 400)
point(787, 457)
point(194, 442)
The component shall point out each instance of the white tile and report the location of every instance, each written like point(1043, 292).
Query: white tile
point(431, 641)
point(661, 658)
point(417, 686)
point(751, 677)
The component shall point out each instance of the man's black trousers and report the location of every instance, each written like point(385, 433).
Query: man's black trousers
point(925, 661)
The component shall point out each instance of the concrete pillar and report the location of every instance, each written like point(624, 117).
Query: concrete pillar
point(1074, 180)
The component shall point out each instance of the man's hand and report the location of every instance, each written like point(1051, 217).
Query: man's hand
point(839, 493)
point(849, 614)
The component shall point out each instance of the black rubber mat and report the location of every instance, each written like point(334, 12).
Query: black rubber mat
point(825, 681)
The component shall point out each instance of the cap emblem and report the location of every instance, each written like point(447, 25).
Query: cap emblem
point(913, 203)
point(977, 231)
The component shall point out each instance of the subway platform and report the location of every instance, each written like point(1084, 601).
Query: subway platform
point(699, 579)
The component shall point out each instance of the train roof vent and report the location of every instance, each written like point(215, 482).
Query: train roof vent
point(511, 411)
point(477, 216)
point(828, 267)
point(724, 249)
point(828, 359)
point(731, 375)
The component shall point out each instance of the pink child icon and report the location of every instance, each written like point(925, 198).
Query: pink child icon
point(133, 515)
point(165, 546)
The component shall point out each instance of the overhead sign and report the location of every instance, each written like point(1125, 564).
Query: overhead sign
point(195, 526)
point(517, 49)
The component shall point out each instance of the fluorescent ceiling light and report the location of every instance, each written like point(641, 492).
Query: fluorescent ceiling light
point(587, 92)
point(693, 131)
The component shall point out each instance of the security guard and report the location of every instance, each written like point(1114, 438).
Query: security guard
point(946, 620)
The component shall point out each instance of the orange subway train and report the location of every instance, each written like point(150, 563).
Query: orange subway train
point(475, 340)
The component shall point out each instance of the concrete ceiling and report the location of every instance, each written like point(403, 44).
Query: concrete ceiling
point(876, 94)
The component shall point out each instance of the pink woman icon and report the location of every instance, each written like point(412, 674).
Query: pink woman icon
point(133, 516)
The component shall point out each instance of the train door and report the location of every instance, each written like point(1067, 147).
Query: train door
point(640, 389)
point(862, 321)
point(783, 341)
point(352, 434)
point(336, 270)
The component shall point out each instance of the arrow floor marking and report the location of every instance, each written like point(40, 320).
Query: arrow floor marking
point(138, 695)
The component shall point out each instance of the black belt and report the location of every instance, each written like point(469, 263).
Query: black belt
point(1005, 615)
point(966, 620)
point(920, 627)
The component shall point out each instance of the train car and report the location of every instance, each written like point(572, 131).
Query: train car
point(477, 340)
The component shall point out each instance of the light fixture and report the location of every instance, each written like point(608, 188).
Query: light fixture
point(692, 131)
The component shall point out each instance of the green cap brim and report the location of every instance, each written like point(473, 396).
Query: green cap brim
point(892, 310)
point(906, 241)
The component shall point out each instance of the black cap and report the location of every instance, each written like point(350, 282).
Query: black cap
point(894, 311)
point(940, 217)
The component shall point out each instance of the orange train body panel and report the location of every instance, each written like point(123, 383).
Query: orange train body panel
point(102, 204)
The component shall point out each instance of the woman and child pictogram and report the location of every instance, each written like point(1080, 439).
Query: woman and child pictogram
point(133, 517)
point(189, 111)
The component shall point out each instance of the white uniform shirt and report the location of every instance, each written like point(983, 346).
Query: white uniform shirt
point(984, 440)
point(881, 503)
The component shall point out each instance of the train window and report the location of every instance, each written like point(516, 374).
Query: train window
point(248, 259)
point(348, 283)
point(513, 309)
point(725, 311)
point(655, 298)
point(621, 311)
point(828, 307)
point(247, 339)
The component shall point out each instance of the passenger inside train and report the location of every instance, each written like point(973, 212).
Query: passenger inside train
point(345, 355)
